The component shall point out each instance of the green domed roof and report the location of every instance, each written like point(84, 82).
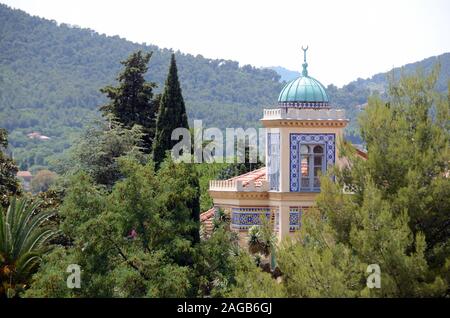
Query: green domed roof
point(304, 89)
point(304, 92)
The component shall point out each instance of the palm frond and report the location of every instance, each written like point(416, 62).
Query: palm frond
point(24, 239)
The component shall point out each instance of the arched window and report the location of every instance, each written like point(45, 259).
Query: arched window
point(312, 165)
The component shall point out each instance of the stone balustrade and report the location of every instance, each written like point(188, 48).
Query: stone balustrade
point(304, 114)
point(238, 186)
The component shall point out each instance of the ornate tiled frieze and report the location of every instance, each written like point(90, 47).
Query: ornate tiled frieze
point(313, 105)
point(245, 217)
point(295, 218)
point(298, 139)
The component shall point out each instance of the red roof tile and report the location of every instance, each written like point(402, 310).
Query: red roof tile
point(206, 219)
point(361, 153)
point(207, 215)
point(257, 175)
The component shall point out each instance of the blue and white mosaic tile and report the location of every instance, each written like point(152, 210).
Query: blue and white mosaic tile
point(297, 139)
point(243, 218)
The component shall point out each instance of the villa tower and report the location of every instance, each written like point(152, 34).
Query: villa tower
point(302, 136)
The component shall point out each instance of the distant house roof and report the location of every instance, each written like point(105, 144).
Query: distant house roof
point(24, 174)
point(37, 135)
point(33, 134)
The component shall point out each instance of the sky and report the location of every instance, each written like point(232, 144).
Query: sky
point(347, 39)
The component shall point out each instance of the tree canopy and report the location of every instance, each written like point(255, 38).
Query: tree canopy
point(9, 185)
point(131, 103)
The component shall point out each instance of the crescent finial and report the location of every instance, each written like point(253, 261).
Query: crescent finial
point(305, 65)
point(304, 52)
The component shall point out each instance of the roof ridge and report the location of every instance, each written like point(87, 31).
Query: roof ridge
point(247, 173)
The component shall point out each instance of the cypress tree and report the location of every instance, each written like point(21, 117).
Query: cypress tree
point(132, 101)
point(171, 114)
point(194, 205)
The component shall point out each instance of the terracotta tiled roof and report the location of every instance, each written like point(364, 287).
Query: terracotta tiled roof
point(257, 175)
point(361, 153)
point(207, 215)
point(206, 220)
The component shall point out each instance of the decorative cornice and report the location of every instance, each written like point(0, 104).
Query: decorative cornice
point(293, 196)
point(267, 196)
point(239, 195)
point(305, 123)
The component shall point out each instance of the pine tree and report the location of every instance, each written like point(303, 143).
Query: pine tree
point(408, 140)
point(132, 101)
point(397, 216)
point(171, 114)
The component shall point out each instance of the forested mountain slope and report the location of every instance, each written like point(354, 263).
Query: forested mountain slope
point(285, 74)
point(354, 95)
point(50, 76)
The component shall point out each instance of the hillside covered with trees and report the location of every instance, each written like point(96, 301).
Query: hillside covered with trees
point(51, 75)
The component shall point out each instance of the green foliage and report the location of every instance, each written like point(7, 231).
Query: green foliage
point(397, 216)
point(229, 271)
point(409, 144)
point(391, 209)
point(171, 114)
point(252, 282)
point(235, 169)
point(42, 181)
point(261, 237)
point(131, 103)
point(9, 185)
point(98, 149)
point(53, 283)
point(132, 242)
point(315, 265)
point(207, 172)
point(24, 238)
point(215, 263)
point(134, 230)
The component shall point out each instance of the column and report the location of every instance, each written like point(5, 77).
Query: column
point(283, 230)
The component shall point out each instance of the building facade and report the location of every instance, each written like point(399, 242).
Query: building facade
point(302, 136)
